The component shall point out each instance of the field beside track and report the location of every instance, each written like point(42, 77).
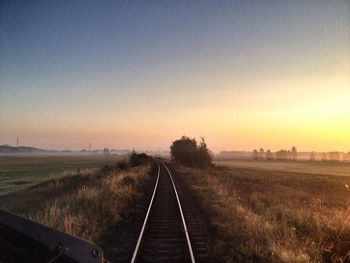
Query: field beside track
point(19, 172)
point(91, 204)
point(274, 216)
point(316, 167)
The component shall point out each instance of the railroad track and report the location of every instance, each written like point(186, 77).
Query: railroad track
point(164, 236)
point(170, 229)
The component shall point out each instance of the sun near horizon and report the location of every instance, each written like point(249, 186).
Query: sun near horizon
point(135, 75)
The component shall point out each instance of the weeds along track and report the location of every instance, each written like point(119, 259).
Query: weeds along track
point(165, 235)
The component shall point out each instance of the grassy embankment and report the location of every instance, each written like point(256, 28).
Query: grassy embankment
point(87, 204)
point(272, 216)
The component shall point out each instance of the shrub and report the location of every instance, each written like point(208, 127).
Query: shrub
point(187, 152)
point(137, 159)
point(107, 169)
point(122, 165)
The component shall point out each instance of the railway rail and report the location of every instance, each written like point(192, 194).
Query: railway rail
point(164, 236)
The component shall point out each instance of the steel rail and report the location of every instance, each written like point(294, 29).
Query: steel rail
point(182, 216)
point(146, 218)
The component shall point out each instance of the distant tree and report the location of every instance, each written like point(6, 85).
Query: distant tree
point(312, 156)
point(324, 156)
point(137, 159)
point(334, 156)
point(294, 153)
point(261, 154)
point(184, 151)
point(269, 155)
point(187, 152)
point(347, 156)
point(342, 156)
point(205, 156)
point(255, 154)
point(282, 155)
point(106, 151)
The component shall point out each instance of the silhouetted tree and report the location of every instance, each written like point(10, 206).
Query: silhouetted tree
point(205, 157)
point(334, 156)
point(269, 155)
point(106, 151)
point(312, 156)
point(261, 154)
point(137, 159)
point(347, 156)
point(184, 151)
point(324, 156)
point(187, 152)
point(255, 154)
point(294, 153)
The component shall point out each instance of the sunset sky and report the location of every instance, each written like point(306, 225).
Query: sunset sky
point(131, 74)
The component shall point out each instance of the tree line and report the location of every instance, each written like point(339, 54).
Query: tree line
point(332, 156)
point(292, 155)
point(279, 155)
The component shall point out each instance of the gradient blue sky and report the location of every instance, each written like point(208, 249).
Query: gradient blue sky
point(243, 74)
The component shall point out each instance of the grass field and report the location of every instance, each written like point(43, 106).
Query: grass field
point(327, 168)
point(89, 204)
point(273, 216)
point(20, 172)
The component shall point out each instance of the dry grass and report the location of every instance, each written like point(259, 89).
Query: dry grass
point(266, 216)
point(87, 204)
